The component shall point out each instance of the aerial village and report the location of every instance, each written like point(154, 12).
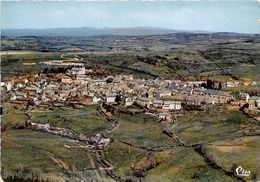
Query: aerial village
point(159, 97)
point(78, 87)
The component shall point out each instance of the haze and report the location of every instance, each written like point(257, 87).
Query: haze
point(223, 16)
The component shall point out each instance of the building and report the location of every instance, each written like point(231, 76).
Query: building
point(96, 99)
point(43, 127)
point(164, 93)
point(171, 105)
point(82, 77)
point(157, 103)
point(230, 84)
point(20, 95)
point(8, 86)
point(256, 100)
point(78, 70)
point(128, 101)
point(66, 79)
point(193, 101)
point(143, 101)
point(244, 96)
point(164, 116)
point(111, 98)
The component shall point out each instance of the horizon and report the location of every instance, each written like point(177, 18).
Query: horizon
point(208, 16)
point(147, 27)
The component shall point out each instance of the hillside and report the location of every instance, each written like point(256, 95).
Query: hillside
point(87, 31)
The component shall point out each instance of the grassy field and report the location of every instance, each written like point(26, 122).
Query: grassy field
point(213, 125)
point(12, 61)
point(140, 129)
point(40, 153)
point(241, 151)
point(13, 117)
point(248, 71)
point(123, 157)
point(185, 165)
point(86, 120)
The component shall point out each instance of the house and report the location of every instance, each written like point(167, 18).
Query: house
point(66, 79)
point(110, 98)
point(19, 85)
point(164, 93)
point(212, 92)
point(143, 101)
point(128, 101)
point(244, 96)
point(96, 99)
point(78, 70)
point(20, 95)
point(207, 99)
point(238, 102)
point(43, 127)
point(230, 84)
point(157, 103)
point(99, 141)
point(193, 100)
point(99, 82)
point(82, 78)
point(171, 105)
point(256, 100)
point(86, 100)
point(164, 116)
point(185, 90)
point(50, 92)
point(103, 142)
point(247, 84)
point(251, 104)
point(198, 90)
point(64, 93)
point(12, 96)
point(8, 86)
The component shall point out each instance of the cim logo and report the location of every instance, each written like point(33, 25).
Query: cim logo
point(242, 172)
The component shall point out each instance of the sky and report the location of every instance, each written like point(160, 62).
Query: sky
point(214, 16)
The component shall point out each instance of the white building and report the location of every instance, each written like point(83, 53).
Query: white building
point(164, 93)
point(128, 101)
point(171, 105)
point(244, 96)
point(111, 98)
point(96, 99)
point(78, 70)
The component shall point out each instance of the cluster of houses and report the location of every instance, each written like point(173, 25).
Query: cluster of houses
point(77, 86)
point(239, 83)
point(155, 103)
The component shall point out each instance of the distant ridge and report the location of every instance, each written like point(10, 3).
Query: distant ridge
point(88, 31)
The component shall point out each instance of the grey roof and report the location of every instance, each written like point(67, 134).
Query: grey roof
point(215, 92)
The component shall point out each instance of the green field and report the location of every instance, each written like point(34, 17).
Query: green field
point(86, 120)
point(213, 125)
point(140, 129)
point(123, 157)
point(248, 71)
point(185, 165)
point(13, 117)
point(12, 61)
point(41, 153)
point(241, 151)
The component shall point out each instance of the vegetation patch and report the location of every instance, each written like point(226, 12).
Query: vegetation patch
point(185, 165)
point(213, 125)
